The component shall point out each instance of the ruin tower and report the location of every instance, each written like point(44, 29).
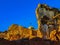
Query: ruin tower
point(39, 34)
point(38, 16)
point(40, 12)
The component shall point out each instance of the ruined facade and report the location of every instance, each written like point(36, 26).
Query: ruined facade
point(54, 18)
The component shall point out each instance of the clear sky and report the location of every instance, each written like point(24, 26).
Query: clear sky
point(21, 12)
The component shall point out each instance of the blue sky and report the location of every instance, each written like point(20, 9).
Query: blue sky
point(21, 12)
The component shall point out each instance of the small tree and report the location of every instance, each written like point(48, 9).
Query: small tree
point(31, 27)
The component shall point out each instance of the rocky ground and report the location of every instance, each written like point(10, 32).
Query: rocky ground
point(26, 41)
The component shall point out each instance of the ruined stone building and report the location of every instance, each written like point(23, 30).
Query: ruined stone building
point(16, 32)
point(52, 13)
